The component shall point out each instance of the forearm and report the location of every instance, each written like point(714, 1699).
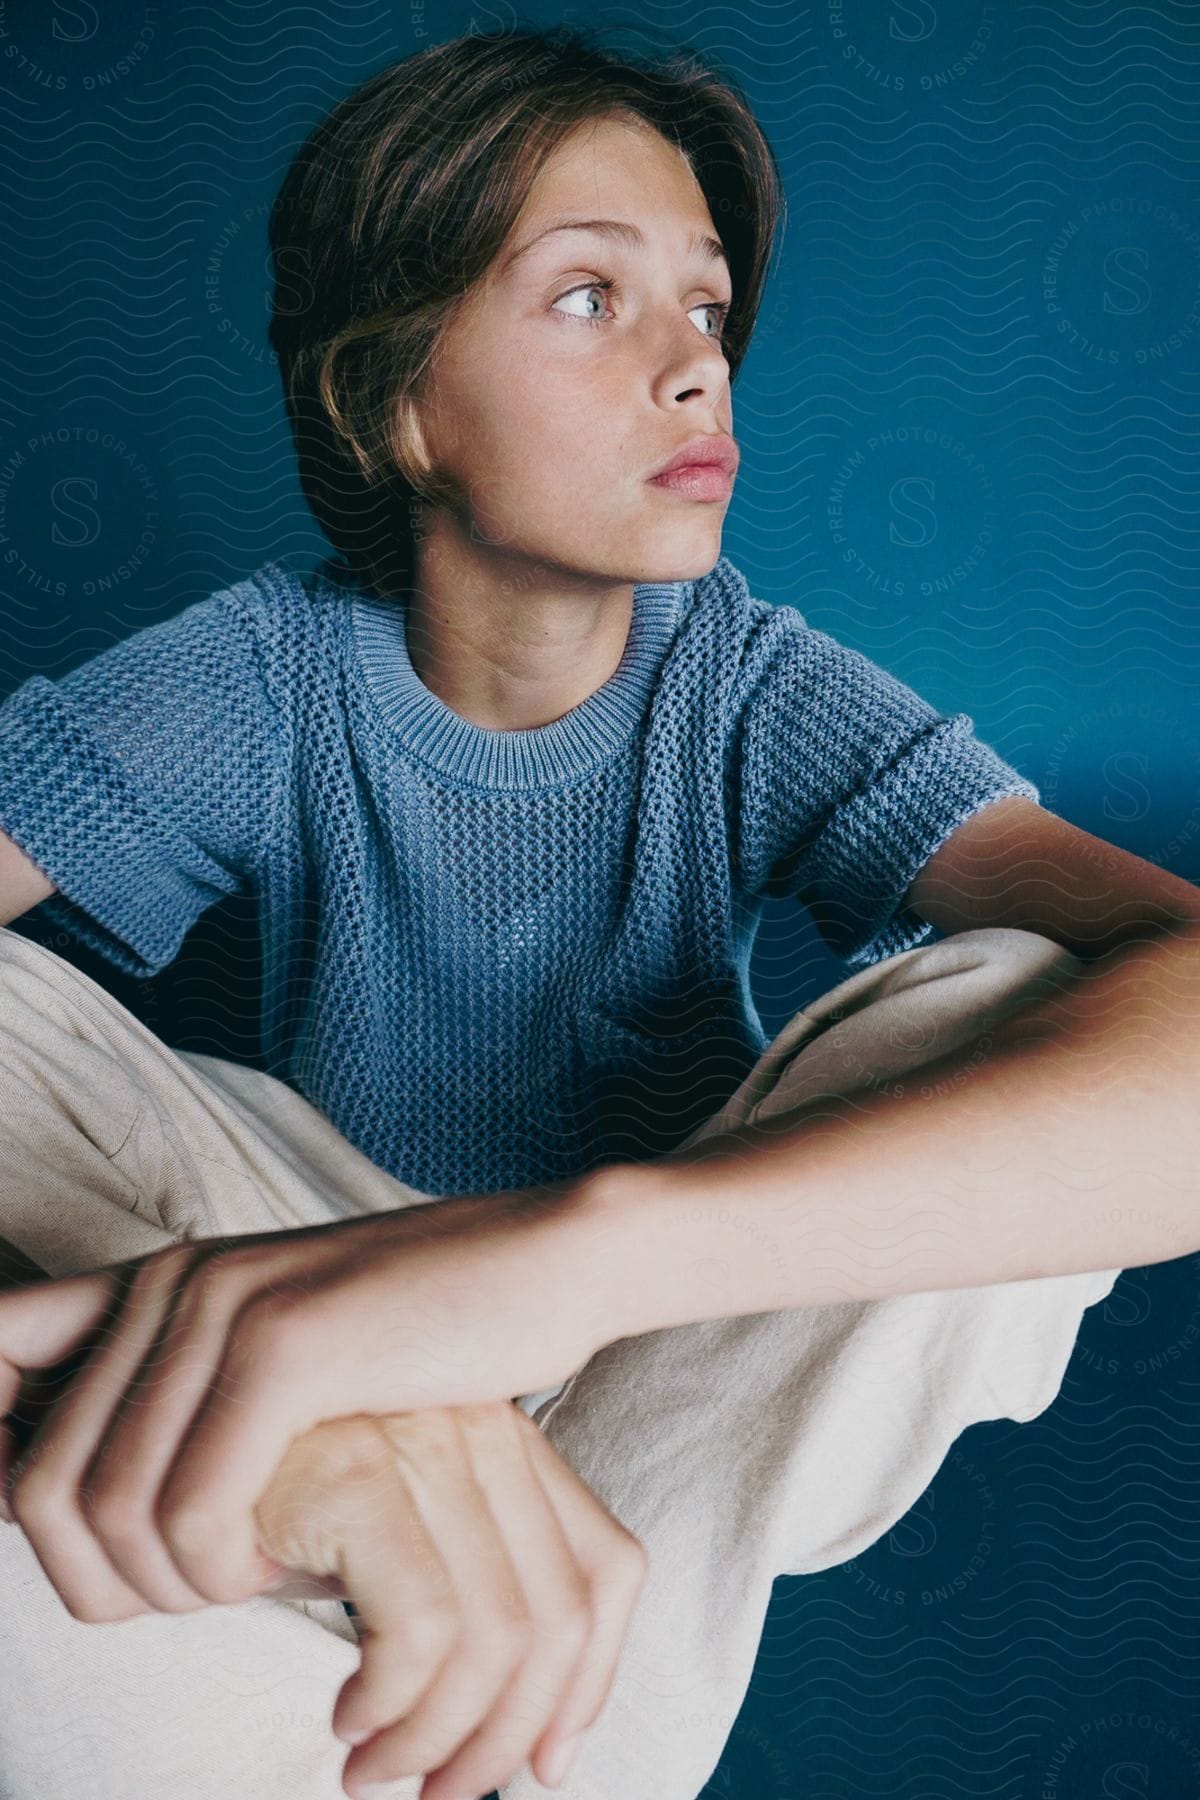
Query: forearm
point(1065, 1139)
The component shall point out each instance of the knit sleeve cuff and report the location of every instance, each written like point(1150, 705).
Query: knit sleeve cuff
point(877, 841)
point(130, 881)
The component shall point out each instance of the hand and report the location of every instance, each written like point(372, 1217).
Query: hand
point(202, 1362)
point(494, 1589)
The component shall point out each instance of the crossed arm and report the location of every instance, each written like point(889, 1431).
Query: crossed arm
point(1064, 1139)
point(494, 1590)
point(1012, 864)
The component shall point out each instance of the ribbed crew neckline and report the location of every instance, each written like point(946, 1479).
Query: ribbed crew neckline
point(580, 740)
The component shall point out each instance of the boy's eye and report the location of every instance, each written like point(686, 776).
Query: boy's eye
point(587, 288)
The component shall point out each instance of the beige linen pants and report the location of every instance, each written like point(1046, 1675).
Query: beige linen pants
point(736, 1450)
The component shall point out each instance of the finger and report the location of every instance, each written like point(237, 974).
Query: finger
point(35, 1400)
point(391, 1568)
point(479, 1588)
point(48, 1497)
point(266, 1391)
point(559, 1602)
point(181, 1367)
point(35, 1393)
point(614, 1563)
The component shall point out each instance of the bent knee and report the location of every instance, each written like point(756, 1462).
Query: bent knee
point(1012, 946)
point(37, 985)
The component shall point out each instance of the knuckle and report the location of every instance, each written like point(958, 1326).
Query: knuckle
point(116, 1517)
point(509, 1639)
point(433, 1745)
point(347, 1444)
point(208, 1283)
point(30, 1494)
point(483, 1668)
point(503, 1772)
point(488, 1672)
point(87, 1612)
point(220, 1253)
point(431, 1430)
point(498, 1759)
point(633, 1559)
point(257, 1315)
point(274, 1318)
point(567, 1623)
point(429, 1633)
point(147, 1272)
point(213, 1592)
point(493, 1417)
point(201, 1282)
point(419, 1741)
point(90, 1607)
point(187, 1534)
point(268, 1326)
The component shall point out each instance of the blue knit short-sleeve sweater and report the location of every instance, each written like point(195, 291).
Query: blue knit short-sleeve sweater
point(491, 958)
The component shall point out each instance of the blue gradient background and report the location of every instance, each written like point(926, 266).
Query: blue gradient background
point(969, 449)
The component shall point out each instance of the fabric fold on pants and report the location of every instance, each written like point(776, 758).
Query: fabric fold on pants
point(736, 1450)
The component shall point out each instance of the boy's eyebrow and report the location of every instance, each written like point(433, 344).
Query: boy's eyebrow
point(621, 232)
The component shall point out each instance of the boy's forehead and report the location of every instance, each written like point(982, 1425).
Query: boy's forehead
point(603, 185)
point(608, 155)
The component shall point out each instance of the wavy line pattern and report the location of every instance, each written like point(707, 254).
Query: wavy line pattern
point(969, 425)
point(977, 381)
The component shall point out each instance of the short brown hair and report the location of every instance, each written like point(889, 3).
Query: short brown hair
point(397, 204)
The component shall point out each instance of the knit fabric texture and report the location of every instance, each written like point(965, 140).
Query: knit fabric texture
point(492, 958)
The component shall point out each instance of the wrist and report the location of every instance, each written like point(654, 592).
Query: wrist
point(608, 1229)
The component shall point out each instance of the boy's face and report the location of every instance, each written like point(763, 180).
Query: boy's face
point(550, 425)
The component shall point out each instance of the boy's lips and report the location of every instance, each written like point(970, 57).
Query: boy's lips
point(709, 449)
point(696, 481)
